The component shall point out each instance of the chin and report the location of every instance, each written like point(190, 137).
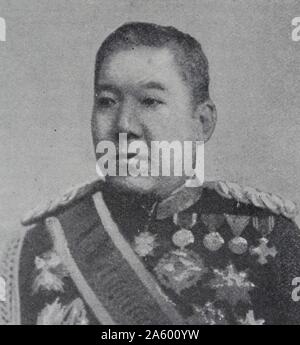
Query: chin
point(139, 184)
point(159, 186)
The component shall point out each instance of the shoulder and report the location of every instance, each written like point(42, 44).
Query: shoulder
point(16, 265)
point(249, 199)
point(264, 219)
point(9, 268)
point(217, 194)
point(62, 202)
point(250, 211)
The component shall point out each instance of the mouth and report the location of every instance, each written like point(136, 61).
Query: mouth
point(125, 156)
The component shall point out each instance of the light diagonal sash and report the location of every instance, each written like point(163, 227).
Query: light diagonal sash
point(107, 273)
point(145, 277)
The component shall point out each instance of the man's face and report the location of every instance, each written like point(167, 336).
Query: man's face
point(141, 93)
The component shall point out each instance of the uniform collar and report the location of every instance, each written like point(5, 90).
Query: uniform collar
point(179, 200)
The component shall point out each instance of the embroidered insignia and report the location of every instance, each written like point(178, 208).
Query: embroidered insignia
point(180, 269)
point(145, 243)
point(207, 315)
point(57, 314)
point(213, 241)
point(250, 319)
point(47, 281)
point(231, 285)
point(50, 272)
point(263, 251)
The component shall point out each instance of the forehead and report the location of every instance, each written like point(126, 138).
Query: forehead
point(140, 65)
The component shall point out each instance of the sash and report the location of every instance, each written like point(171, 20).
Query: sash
point(107, 273)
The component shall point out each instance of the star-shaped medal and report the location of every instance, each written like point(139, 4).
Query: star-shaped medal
point(180, 269)
point(231, 285)
point(50, 273)
point(207, 315)
point(59, 314)
point(145, 243)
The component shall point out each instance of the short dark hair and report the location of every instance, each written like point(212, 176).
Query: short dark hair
point(187, 51)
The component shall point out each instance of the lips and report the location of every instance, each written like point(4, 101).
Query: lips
point(132, 161)
point(126, 156)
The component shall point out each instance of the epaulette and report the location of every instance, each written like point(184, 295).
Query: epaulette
point(253, 196)
point(61, 202)
point(228, 190)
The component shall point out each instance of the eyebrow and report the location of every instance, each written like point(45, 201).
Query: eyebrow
point(149, 85)
point(106, 87)
point(154, 85)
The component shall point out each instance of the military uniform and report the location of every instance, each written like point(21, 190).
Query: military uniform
point(217, 254)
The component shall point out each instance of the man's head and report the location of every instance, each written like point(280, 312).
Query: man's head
point(152, 83)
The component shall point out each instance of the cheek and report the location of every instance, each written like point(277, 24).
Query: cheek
point(171, 124)
point(102, 126)
point(158, 126)
point(185, 125)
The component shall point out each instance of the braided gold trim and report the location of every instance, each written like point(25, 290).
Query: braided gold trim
point(9, 270)
point(248, 195)
point(68, 198)
point(228, 190)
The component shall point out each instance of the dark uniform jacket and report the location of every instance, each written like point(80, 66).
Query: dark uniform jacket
point(219, 254)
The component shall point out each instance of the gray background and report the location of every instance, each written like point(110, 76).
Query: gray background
point(46, 75)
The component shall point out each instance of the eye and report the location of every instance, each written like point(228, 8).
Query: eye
point(151, 102)
point(106, 102)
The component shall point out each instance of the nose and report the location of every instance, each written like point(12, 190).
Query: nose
point(128, 120)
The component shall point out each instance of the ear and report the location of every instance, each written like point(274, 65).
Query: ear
point(207, 114)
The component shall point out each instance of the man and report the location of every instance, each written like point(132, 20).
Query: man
point(154, 249)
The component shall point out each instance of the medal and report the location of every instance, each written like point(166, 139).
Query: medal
point(238, 245)
point(213, 241)
point(180, 270)
point(182, 238)
point(263, 251)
